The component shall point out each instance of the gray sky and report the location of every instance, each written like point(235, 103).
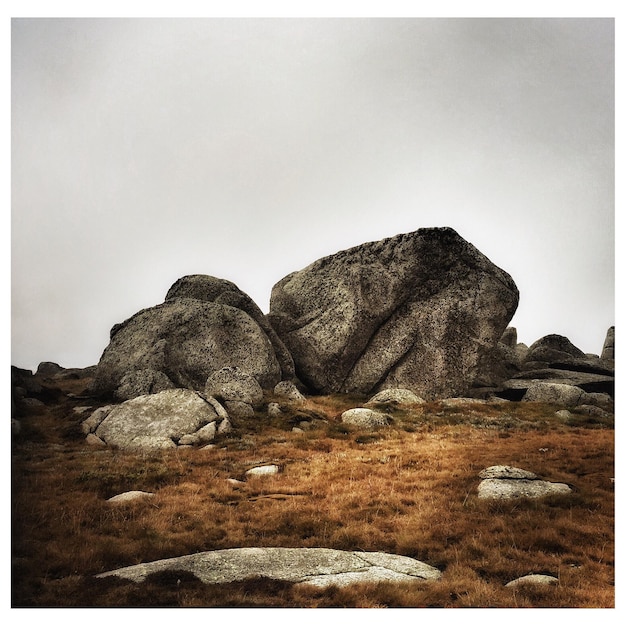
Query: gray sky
point(144, 150)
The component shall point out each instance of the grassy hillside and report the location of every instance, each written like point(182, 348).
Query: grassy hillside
point(407, 489)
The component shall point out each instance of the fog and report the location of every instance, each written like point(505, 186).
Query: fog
point(147, 149)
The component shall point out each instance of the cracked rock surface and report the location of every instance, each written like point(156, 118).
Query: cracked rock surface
point(320, 567)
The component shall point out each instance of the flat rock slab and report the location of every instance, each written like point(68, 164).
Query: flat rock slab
point(321, 567)
point(504, 489)
point(533, 579)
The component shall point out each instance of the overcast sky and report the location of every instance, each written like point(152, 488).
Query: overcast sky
point(144, 150)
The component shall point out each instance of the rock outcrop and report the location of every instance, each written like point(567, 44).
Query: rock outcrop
point(417, 311)
point(181, 343)
point(320, 567)
point(554, 360)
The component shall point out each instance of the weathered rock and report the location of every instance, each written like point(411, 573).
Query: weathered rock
point(240, 410)
point(509, 337)
point(395, 396)
point(263, 470)
point(273, 409)
point(415, 311)
point(516, 387)
point(95, 419)
point(141, 383)
point(155, 421)
point(16, 426)
point(93, 440)
point(553, 348)
point(203, 435)
point(506, 489)
point(316, 566)
point(608, 349)
point(231, 384)
point(211, 289)
point(224, 427)
point(566, 395)
point(187, 340)
point(286, 389)
point(47, 368)
point(365, 418)
point(533, 579)
point(595, 411)
point(130, 496)
point(506, 471)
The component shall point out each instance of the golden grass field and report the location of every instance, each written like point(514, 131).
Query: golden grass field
point(408, 489)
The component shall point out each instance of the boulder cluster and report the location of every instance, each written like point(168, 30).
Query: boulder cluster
point(413, 318)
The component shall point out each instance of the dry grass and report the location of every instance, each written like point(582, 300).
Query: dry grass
point(408, 489)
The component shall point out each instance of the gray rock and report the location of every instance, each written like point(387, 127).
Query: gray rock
point(203, 435)
point(395, 396)
point(211, 289)
point(566, 395)
point(95, 419)
point(232, 384)
point(93, 440)
point(16, 426)
point(365, 418)
point(130, 496)
point(608, 349)
point(506, 471)
point(224, 427)
point(553, 348)
point(217, 407)
point(415, 311)
point(564, 414)
point(47, 368)
point(595, 411)
point(237, 409)
point(516, 387)
point(533, 579)
point(263, 470)
point(505, 489)
point(141, 383)
point(187, 340)
point(155, 421)
point(286, 389)
point(273, 409)
point(509, 337)
point(316, 566)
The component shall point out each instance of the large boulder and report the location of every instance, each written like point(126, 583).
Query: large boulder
point(416, 311)
point(156, 421)
point(211, 289)
point(186, 340)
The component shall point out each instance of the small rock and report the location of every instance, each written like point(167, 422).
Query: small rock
point(533, 579)
point(396, 396)
point(273, 409)
point(506, 489)
point(564, 414)
point(95, 419)
point(129, 496)
point(239, 409)
point(224, 427)
point(366, 418)
point(94, 440)
point(263, 470)
point(286, 389)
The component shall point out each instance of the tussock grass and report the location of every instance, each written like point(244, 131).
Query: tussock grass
point(407, 489)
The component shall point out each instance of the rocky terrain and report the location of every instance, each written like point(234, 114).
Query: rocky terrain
point(373, 345)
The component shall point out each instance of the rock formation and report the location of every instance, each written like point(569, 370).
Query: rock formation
point(554, 360)
point(320, 567)
point(180, 343)
point(418, 311)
